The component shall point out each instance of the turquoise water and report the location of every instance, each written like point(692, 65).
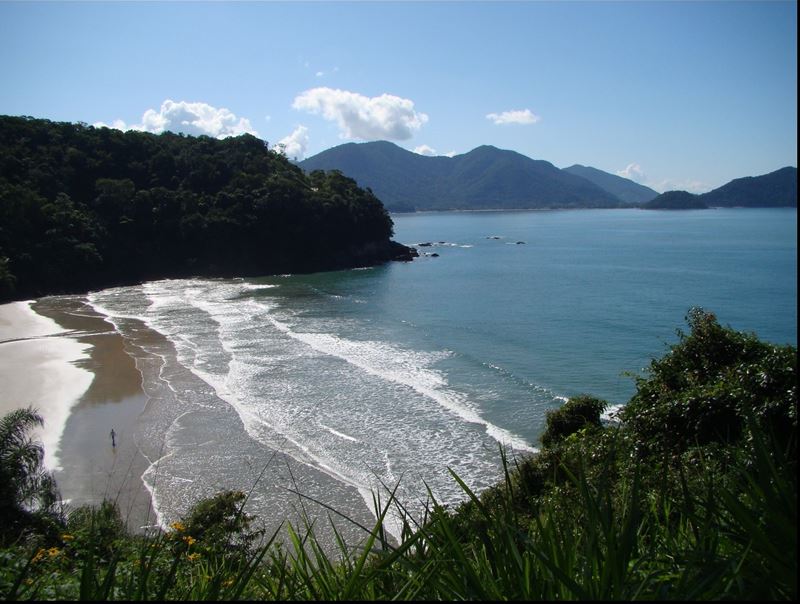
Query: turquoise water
point(396, 373)
point(594, 293)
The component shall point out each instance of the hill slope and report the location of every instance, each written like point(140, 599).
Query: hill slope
point(625, 189)
point(774, 190)
point(82, 208)
point(484, 178)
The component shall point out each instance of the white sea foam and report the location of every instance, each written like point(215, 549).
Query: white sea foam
point(337, 433)
point(228, 315)
point(231, 341)
point(408, 368)
point(258, 286)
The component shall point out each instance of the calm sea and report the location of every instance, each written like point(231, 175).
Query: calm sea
point(398, 372)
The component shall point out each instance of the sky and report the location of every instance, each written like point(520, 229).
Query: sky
point(674, 95)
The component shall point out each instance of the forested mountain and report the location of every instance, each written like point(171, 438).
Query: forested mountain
point(676, 200)
point(774, 190)
point(625, 189)
point(84, 207)
point(484, 178)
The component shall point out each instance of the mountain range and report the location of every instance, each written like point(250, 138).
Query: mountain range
point(484, 178)
point(491, 178)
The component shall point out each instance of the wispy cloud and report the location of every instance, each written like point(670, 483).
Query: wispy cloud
point(516, 116)
point(188, 118)
point(667, 184)
point(425, 150)
point(361, 117)
point(294, 145)
point(632, 172)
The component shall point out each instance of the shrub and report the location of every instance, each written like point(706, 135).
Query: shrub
point(705, 388)
point(577, 413)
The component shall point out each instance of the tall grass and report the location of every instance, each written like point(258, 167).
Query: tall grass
point(723, 541)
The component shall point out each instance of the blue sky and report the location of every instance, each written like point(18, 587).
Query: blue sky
point(684, 95)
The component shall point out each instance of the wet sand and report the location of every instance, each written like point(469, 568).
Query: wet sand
point(103, 392)
point(80, 347)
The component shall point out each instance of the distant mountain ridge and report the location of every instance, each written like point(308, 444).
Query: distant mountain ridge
point(625, 189)
point(777, 189)
point(491, 178)
point(484, 178)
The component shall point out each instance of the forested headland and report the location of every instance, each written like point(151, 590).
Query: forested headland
point(84, 207)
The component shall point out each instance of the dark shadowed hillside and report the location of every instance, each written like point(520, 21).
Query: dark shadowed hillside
point(84, 207)
point(676, 200)
point(776, 189)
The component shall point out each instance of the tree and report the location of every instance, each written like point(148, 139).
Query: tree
point(577, 413)
point(28, 495)
point(84, 208)
point(709, 385)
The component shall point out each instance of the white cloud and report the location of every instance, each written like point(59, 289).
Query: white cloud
point(360, 117)
point(450, 154)
point(116, 124)
point(517, 116)
point(295, 145)
point(692, 186)
point(425, 150)
point(635, 173)
point(189, 118)
point(632, 172)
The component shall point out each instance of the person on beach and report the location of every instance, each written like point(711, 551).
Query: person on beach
point(113, 442)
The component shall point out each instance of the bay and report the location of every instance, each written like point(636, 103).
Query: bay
point(395, 374)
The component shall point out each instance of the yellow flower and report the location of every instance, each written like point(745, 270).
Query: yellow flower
point(193, 557)
point(53, 552)
point(67, 537)
point(39, 555)
point(190, 540)
point(28, 581)
point(178, 526)
point(228, 583)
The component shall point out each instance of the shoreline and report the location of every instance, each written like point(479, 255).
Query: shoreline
point(152, 428)
point(61, 345)
point(39, 370)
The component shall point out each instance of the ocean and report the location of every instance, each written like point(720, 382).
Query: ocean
point(393, 376)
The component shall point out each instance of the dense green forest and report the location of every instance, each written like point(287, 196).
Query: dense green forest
point(691, 494)
point(84, 207)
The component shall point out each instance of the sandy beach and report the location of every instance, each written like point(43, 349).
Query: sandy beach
point(62, 358)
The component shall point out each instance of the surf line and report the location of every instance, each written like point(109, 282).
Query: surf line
point(332, 345)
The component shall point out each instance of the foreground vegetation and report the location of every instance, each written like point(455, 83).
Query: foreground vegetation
point(84, 207)
point(691, 494)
